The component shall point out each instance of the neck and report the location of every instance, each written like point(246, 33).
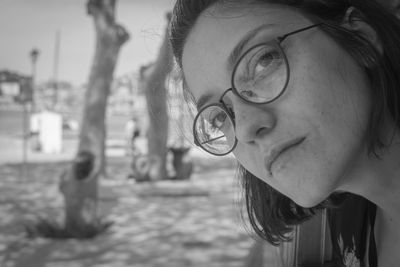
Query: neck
point(378, 179)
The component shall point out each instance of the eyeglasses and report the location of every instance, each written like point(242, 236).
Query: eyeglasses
point(260, 76)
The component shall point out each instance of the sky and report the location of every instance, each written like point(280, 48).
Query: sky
point(28, 24)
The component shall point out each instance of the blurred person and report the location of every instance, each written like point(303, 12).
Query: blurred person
point(132, 131)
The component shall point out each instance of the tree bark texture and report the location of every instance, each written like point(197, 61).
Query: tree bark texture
point(79, 182)
point(154, 84)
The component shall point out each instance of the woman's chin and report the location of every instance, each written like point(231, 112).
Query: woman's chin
point(308, 200)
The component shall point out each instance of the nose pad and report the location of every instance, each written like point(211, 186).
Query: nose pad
point(252, 122)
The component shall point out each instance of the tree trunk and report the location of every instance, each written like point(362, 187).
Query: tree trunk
point(79, 182)
point(156, 96)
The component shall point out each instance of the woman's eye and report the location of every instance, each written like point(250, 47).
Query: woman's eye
point(265, 61)
point(219, 120)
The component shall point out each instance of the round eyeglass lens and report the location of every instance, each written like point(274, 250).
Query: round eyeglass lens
point(214, 130)
point(261, 74)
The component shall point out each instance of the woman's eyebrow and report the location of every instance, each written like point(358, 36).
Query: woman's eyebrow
point(202, 100)
point(238, 49)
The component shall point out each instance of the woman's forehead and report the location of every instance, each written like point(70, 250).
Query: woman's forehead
point(217, 32)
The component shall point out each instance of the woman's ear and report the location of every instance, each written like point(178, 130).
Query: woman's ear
point(353, 20)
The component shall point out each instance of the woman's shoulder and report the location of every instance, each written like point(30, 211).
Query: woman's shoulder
point(350, 224)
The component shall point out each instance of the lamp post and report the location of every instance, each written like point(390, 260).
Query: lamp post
point(34, 54)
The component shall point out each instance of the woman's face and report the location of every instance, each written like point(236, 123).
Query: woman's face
point(303, 143)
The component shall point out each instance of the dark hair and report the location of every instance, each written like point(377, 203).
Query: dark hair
point(271, 214)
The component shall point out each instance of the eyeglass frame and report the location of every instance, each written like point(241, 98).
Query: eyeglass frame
point(221, 102)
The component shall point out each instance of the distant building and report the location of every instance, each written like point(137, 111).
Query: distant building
point(60, 96)
point(14, 89)
point(125, 97)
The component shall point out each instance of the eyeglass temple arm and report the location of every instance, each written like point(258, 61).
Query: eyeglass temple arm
point(208, 141)
point(281, 38)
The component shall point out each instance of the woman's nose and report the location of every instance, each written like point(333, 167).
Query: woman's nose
point(252, 121)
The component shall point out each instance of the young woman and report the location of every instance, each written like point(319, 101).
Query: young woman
point(305, 94)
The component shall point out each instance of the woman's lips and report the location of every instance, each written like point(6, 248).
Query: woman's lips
point(279, 149)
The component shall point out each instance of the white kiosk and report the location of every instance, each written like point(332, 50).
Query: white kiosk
point(47, 125)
